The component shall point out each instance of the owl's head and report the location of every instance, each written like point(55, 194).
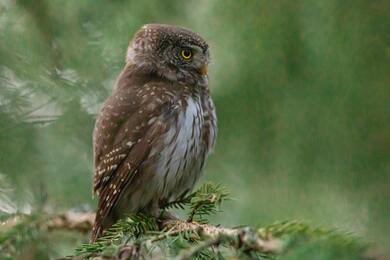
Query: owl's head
point(172, 52)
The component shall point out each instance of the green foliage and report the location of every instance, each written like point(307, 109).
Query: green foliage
point(301, 90)
point(23, 238)
point(301, 240)
point(133, 226)
point(206, 201)
point(143, 237)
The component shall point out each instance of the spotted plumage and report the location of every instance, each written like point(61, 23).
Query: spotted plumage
point(154, 133)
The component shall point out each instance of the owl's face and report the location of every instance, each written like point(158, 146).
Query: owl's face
point(172, 52)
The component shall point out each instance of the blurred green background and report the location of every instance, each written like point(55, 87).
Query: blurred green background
point(302, 90)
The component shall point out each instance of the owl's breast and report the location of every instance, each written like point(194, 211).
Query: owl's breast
point(181, 160)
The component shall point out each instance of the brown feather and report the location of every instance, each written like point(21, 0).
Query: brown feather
point(153, 134)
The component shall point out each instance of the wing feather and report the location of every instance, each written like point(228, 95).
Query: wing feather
point(121, 146)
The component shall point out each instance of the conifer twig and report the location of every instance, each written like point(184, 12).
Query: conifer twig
point(242, 237)
point(193, 251)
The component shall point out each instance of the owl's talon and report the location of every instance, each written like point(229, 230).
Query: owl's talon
point(166, 215)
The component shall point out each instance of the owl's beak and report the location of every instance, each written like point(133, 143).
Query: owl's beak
point(203, 70)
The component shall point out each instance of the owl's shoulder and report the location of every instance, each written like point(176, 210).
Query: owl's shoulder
point(130, 107)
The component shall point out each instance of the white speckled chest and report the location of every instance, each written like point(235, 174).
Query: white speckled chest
point(180, 162)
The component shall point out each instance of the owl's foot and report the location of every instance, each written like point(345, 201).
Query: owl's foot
point(166, 215)
point(161, 214)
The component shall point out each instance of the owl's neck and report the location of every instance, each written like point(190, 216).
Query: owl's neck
point(147, 72)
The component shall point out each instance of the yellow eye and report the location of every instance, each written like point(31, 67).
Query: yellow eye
point(186, 54)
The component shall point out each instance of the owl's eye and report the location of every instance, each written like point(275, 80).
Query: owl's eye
point(186, 54)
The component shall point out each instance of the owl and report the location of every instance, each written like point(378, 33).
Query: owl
point(154, 133)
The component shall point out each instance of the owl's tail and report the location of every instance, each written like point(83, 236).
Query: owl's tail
point(96, 232)
point(101, 225)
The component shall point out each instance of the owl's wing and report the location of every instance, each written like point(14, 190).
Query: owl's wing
point(129, 125)
point(210, 123)
point(122, 122)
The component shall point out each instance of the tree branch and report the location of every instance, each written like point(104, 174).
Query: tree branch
point(241, 237)
point(70, 220)
point(246, 238)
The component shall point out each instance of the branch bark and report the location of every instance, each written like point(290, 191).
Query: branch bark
point(246, 237)
point(243, 238)
point(77, 221)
